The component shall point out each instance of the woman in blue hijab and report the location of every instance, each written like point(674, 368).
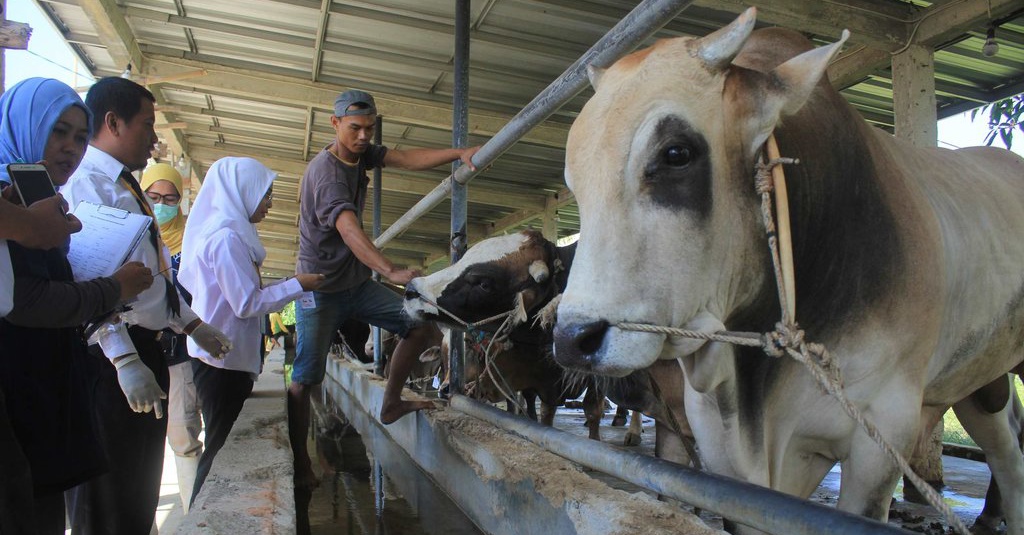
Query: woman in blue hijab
point(44, 374)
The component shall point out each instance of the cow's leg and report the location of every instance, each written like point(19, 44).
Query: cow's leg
point(800, 475)
point(1001, 445)
point(992, 516)
point(869, 477)
point(620, 417)
point(530, 397)
point(593, 408)
point(547, 413)
point(636, 427)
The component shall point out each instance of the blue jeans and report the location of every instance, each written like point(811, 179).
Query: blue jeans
point(369, 302)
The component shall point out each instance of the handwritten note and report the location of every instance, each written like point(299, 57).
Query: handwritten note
point(108, 237)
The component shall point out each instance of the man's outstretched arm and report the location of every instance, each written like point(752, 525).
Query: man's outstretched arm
point(422, 159)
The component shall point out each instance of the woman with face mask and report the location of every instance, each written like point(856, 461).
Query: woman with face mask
point(45, 374)
point(164, 188)
point(221, 257)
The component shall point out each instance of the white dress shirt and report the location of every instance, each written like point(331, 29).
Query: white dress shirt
point(6, 280)
point(97, 180)
point(227, 294)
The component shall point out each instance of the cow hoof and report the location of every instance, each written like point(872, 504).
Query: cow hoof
point(632, 439)
point(984, 525)
point(618, 422)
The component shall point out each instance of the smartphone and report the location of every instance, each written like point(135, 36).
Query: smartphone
point(31, 181)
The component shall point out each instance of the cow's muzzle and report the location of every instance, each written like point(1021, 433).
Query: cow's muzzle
point(577, 344)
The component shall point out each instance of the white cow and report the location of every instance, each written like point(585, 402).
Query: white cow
point(909, 262)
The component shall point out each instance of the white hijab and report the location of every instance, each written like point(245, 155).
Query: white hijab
point(230, 194)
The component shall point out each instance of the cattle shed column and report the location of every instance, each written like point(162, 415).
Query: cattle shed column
point(549, 226)
point(460, 195)
point(378, 343)
point(913, 95)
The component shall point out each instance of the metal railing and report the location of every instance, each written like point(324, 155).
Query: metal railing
point(759, 507)
point(647, 18)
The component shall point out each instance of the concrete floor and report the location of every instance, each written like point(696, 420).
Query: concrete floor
point(169, 511)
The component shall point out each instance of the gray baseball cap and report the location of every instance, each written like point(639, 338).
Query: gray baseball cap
point(354, 96)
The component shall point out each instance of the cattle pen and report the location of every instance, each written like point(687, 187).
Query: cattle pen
point(468, 481)
point(258, 78)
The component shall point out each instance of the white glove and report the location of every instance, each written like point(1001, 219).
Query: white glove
point(139, 386)
point(212, 340)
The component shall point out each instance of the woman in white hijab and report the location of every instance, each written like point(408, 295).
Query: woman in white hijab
point(221, 256)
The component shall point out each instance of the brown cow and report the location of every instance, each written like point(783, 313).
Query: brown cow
point(489, 280)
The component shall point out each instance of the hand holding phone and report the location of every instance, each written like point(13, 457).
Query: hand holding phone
point(31, 182)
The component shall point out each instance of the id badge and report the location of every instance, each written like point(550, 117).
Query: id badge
point(307, 301)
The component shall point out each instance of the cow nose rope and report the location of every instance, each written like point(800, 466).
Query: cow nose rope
point(788, 338)
point(497, 344)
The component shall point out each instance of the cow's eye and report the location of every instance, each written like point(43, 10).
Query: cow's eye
point(678, 155)
point(486, 285)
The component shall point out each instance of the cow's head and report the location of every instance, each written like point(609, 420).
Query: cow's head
point(661, 161)
point(488, 280)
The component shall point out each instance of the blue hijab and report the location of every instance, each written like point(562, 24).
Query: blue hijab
point(28, 112)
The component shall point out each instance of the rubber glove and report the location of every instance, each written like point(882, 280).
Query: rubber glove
point(211, 339)
point(139, 385)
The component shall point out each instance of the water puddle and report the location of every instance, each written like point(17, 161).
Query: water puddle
point(352, 466)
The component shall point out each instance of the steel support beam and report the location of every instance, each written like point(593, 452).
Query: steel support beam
point(300, 93)
point(321, 36)
point(932, 27)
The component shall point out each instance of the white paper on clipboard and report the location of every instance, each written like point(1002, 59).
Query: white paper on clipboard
point(108, 237)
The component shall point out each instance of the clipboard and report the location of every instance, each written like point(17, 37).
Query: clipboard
point(108, 237)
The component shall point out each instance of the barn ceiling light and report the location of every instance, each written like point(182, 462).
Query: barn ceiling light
point(991, 47)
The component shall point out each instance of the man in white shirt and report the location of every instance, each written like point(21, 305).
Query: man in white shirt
point(124, 499)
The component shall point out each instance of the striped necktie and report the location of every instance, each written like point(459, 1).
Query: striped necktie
point(171, 293)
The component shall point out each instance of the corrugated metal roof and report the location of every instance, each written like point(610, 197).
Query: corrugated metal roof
point(258, 77)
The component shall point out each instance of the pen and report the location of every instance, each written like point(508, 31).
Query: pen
point(161, 272)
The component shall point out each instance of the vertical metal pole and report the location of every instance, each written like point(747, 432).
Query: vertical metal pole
point(460, 206)
point(378, 350)
point(378, 488)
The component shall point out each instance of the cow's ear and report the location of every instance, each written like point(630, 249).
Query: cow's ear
point(430, 355)
point(799, 75)
point(539, 271)
point(718, 48)
point(595, 74)
point(789, 85)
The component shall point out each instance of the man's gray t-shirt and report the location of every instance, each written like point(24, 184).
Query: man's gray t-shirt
point(330, 187)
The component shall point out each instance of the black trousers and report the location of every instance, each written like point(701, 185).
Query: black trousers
point(123, 500)
point(222, 394)
point(16, 503)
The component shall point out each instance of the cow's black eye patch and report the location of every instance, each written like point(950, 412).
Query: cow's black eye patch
point(480, 291)
point(678, 171)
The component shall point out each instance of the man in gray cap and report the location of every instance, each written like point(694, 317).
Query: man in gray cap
point(332, 242)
